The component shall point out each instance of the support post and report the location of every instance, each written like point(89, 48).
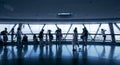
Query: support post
point(112, 32)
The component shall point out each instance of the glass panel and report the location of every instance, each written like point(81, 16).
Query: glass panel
point(92, 28)
point(25, 29)
point(106, 27)
point(51, 27)
point(8, 26)
point(36, 27)
point(79, 28)
point(64, 27)
point(117, 31)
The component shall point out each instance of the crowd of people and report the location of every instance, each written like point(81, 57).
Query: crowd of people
point(24, 39)
point(49, 36)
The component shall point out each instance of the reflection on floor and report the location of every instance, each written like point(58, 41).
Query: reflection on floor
point(59, 55)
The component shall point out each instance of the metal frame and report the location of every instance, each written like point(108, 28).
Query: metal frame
point(68, 31)
point(117, 26)
point(12, 28)
point(97, 32)
point(30, 29)
point(112, 32)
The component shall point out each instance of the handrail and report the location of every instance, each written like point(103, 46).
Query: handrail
point(65, 34)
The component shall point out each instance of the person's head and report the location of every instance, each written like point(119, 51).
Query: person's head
point(75, 28)
point(18, 29)
point(5, 28)
point(101, 29)
point(49, 31)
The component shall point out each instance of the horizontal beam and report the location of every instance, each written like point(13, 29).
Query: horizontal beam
point(61, 20)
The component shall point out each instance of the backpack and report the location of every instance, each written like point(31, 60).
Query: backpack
point(3, 33)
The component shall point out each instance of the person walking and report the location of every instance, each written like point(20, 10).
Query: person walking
point(103, 34)
point(41, 35)
point(75, 39)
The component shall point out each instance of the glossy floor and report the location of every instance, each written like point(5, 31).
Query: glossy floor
point(60, 55)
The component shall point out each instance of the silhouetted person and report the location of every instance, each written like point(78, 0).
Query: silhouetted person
point(103, 34)
point(18, 35)
point(75, 39)
point(41, 35)
point(58, 35)
point(50, 36)
point(5, 37)
point(12, 34)
point(84, 35)
point(25, 39)
point(35, 40)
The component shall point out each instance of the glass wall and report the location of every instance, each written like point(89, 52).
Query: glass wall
point(67, 30)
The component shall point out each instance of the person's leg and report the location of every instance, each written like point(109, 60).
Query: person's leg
point(73, 45)
point(40, 40)
point(11, 38)
point(3, 38)
point(77, 43)
point(74, 49)
point(86, 40)
point(59, 40)
point(104, 37)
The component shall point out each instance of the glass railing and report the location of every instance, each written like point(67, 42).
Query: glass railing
point(69, 37)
